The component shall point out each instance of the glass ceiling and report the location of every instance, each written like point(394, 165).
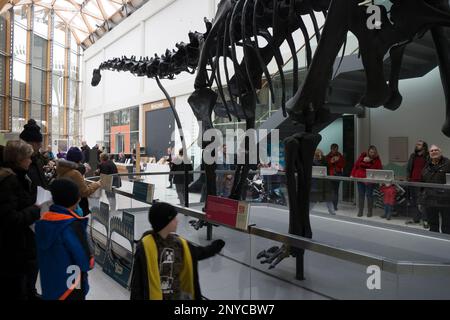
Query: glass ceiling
point(88, 20)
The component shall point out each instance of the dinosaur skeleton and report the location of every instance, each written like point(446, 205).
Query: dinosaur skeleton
point(243, 23)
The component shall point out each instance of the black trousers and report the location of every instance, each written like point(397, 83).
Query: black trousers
point(433, 214)
point(413, 195)
point(335, 187)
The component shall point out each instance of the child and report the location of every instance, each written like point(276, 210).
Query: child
point(165, 265)
point(64, 255)
point(390, 193)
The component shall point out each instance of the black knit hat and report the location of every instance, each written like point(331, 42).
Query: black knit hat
point(74, 154)
point(65, 192)
point(31, 132)
point(160, 215)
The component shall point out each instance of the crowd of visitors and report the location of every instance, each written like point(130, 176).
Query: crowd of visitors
point(52, 241)
point(55, 244)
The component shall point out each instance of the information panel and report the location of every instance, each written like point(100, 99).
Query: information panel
point(226, 211)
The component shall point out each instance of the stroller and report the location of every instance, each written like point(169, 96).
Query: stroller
point(259, 193)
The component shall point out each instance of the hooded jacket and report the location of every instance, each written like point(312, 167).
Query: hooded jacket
point(68, 169)
point(62, 246)
point(360, 167)
point(74, 171)
point(17, 214)
point(145, 277)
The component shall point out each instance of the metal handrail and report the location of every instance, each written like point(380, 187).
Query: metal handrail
point(353, 256)
point(281, 173)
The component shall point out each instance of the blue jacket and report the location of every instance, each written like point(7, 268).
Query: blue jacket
point(62, 248)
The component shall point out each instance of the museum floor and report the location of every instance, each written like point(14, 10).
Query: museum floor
point(236, 274)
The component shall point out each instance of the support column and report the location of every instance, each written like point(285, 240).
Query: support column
point(28, 67)
point(49, 79)
point(7, 116)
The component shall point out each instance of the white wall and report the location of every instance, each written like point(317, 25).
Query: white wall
point(94, 129)
point(331, 134)
point(189, 125)
point(420, 116)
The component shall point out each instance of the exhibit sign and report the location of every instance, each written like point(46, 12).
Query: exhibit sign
point(100, 215)
point(319, 171)
point(119, 268)
point(226, 211)
point(382, 175)
point(143, 191)
point(106, 181)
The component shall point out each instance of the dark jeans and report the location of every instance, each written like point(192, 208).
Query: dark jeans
point(413, 195)
point(180, 193)
point(335, 188)
point(387, 210)
point(433, 214)
point(365, 189)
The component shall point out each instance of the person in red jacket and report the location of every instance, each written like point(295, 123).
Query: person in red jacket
point(389, 193)
point(367, 160)
point(336, 164)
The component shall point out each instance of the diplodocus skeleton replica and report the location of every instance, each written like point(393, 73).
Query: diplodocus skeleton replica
point(243, 23)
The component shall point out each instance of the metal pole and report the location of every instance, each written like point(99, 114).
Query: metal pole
point(186, 187)
point(177, 119)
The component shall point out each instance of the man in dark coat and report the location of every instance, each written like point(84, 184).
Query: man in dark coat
point(85, 151)
point(416, 163)
point(178, 179)
point(436, 201)
point(18, 270)
point(166, 265)
point(33, 136)
point(107, 166)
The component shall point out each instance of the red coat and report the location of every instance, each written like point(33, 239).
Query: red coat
point(338, 166)
point(360, 167)
point(389, 194)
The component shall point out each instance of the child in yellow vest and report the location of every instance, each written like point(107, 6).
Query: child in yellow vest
point(165, 265)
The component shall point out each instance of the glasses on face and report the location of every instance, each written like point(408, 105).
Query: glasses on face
point(434, 150)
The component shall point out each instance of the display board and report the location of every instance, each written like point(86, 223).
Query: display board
point(398, 149)
point(159, 127)
point(226, 211)
point(117, 268)
point(100, 215)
